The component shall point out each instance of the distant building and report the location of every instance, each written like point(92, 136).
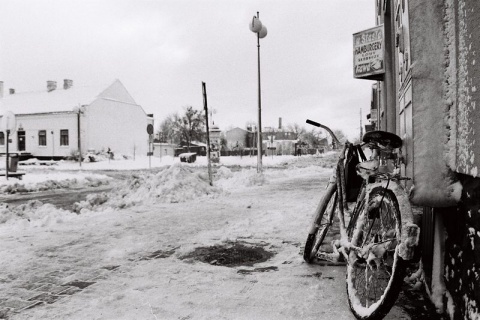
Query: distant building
point(279, 142)
point(199, 148)
point(240, 138)
point(162, 149)
point(57, 122)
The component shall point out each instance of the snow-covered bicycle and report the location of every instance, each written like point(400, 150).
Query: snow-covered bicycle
point(378, 235)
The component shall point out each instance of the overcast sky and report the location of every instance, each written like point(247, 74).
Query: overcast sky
point(162, 51)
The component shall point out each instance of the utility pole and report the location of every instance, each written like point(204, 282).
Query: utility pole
point(204, 91)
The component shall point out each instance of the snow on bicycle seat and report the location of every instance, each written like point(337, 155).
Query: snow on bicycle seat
point(386, 139)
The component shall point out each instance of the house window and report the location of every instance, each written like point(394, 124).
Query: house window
point(2, 139)
point(64, 137)
point(42, 137)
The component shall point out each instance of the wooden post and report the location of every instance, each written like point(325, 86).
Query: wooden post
point(204, 91)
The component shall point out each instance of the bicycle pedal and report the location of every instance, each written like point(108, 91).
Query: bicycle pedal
point(329, 258)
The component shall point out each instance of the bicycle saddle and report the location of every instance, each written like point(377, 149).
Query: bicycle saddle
point(386, 139)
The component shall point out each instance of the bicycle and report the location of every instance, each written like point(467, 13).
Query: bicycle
point(380, 236)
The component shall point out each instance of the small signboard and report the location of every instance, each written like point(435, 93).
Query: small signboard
point(369, 54)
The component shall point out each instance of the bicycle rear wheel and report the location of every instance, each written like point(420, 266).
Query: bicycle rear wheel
point(375, 274)
point(321, 223)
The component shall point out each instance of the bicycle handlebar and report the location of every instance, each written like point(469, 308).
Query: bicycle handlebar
point(316, 124)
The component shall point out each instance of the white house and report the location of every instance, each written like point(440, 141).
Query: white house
point(58, 122)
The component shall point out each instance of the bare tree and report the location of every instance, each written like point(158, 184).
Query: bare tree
point(340, 135)
point(190, 126)
point(296, 128)
point(166, 131)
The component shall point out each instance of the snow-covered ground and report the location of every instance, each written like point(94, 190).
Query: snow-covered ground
point(129, 253)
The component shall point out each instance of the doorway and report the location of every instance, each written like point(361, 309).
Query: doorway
point(21, 140)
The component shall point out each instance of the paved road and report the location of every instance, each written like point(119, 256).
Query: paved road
point(63, 198)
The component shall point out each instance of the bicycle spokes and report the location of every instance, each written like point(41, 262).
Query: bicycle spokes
point(373, 264)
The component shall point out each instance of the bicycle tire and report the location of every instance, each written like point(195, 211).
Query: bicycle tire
point(373, 285)
point(322, 221)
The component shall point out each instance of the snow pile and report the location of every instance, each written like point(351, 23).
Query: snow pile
point(34, 213)
point(223, 173)
point(93, 200)
point(228, 180)
point(324, 160)
point(53, 181)
point(178, 183)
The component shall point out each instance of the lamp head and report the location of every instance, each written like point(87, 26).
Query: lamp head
point(263, 32)
point(255, 25)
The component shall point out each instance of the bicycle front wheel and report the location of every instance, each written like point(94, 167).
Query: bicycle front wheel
point(375, 272)
point(322, 222)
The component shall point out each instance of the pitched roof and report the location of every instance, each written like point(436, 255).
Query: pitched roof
point(60, 100)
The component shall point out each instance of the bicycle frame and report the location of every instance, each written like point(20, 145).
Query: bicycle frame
point(336, 180)
point(410, 232)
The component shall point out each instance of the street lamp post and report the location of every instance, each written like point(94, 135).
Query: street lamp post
point(79, 110)
point(257, 27)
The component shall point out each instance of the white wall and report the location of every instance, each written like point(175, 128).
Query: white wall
point(32, 124)
point(122, 127)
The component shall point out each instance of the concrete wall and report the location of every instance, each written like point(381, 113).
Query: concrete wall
point(462, 223)
point(466, 116)
point(432, 177)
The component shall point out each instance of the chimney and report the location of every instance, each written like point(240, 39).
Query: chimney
point(51, 85)
point(67, 84)
point(280, 123)
point(1, 89)
point(11, 91)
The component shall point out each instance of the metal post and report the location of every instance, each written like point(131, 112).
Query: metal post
point(150, 151)
point(79, 139)
point(53, 145)
point(6, 164)
point(259, 129)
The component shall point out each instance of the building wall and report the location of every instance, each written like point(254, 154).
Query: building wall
point(237, 135)
point(163, 149)
point(463, 26)
point(113, 120)
point(462, 223)
point(122, 127)
point(32, 124)
point(462, 251)
point(432, 178)
point(439, 121)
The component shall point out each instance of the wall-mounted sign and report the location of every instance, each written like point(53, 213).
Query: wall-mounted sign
point(368, 54)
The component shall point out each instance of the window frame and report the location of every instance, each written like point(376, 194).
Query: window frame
point(64, 138)
point(40, 136)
